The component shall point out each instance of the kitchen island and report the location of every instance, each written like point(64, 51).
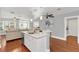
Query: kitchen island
point(37, 42)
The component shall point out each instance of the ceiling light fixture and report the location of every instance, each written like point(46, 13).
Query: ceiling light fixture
point(31, 20)
point(41, 17)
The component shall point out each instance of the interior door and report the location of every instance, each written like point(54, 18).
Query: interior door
point(72, 27)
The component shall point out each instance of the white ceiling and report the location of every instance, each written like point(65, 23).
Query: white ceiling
point(34, 11)
point(22, 11)
point(61, 10)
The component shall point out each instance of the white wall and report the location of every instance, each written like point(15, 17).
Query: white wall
point(58, 27)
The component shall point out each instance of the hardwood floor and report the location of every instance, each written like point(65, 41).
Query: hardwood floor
point(14, 46)
point(56, 45)
point(64, 46)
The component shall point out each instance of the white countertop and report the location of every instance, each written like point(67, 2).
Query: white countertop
point(36, 35)
point(2, 33)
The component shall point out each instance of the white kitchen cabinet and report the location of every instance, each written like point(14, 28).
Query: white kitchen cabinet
point(37, 42)
point(13, 35)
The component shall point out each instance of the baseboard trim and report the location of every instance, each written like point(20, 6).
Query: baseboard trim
point(13, 39)
point(57, 37)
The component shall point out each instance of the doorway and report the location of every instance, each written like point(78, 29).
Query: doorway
point(71, 29)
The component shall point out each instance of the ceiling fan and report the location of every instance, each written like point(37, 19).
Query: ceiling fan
point(49, 15)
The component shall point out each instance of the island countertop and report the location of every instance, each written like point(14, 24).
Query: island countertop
point(36, 35)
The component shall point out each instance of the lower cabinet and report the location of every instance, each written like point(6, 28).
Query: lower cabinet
point(13, 35)
point(36, 44)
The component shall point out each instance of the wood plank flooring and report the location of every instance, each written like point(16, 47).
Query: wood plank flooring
point(56, 45)
point(14, 46)
point(63, 46)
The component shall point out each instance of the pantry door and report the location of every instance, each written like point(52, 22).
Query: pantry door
point(72, 27)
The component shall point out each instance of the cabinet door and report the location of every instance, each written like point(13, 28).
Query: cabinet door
point(26, 41)
point(30, 43)
point(42, 44)
point(33, 44)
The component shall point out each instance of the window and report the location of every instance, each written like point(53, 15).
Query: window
point(1, 28)
point(6, 25)
point(23, 24)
